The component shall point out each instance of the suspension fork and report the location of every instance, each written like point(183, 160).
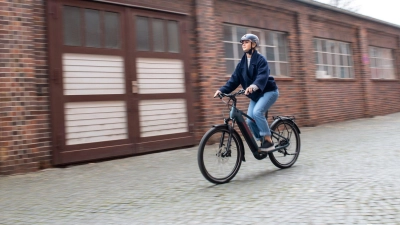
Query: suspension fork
point(221, 141)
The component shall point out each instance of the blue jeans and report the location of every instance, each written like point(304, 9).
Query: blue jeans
point(257, 111)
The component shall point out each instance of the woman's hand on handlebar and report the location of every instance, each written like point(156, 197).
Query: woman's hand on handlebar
point(249, 90)
point(217, 93)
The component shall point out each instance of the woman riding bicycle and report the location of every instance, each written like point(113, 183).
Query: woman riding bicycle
point(252, 73)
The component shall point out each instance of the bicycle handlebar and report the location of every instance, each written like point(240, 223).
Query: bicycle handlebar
point(240, 92)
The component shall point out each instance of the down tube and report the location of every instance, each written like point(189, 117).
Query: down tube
point(248, 136)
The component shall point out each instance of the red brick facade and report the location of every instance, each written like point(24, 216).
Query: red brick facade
point(24, 106)
point(24, 78)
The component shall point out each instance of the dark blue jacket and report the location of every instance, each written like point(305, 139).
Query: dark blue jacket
point(257, 73)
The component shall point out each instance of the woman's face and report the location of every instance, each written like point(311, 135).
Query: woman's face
point(246, 45)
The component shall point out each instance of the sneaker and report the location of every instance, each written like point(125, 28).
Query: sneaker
point(267, 146)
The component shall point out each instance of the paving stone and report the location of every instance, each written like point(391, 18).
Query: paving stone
point(347, 173)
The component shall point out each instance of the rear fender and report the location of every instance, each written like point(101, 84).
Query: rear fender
point(287, 120)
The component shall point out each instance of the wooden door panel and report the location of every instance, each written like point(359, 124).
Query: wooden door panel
point(161, 77)
point(113, 100)
point(90, 100)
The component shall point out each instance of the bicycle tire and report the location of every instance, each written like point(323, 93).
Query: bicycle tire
point(282, 127)
point(208, 150)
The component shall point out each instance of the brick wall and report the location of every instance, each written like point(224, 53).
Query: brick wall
point(384, 95)
point(338, 99)
point(362, 97)
point(24, 142)
point(210, 65)
point(42, 109)
point(24, 87)
point(316, 101)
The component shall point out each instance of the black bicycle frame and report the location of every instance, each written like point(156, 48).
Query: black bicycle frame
point(236, 116)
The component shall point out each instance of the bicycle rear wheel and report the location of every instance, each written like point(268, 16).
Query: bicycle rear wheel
point(286, 157)
point(219, 161)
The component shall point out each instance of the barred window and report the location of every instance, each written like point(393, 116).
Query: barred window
point(273, 45)
point(333, 59)
point(381, 63)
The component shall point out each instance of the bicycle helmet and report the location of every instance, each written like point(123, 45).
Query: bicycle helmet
point(252, 38)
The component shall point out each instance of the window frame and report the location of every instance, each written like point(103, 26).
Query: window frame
point(165, 22)
point(82, 27)
point(334, 60)
point(262, 48)
point(379, 51)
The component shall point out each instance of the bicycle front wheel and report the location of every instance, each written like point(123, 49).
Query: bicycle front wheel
point(219, 156)
point(286, 157)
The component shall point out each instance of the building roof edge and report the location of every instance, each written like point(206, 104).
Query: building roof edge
point(333, 8)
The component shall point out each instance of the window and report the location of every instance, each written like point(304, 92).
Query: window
point(142, 34)
point(101, 28)
point(111, 29)
point(381, 63)
point(92, 28)
point(72, 26)
point(273, 45)
point(164, 35)
point(333, 59)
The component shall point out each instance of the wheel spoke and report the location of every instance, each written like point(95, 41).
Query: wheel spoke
point(217, 163)
point(288, 136)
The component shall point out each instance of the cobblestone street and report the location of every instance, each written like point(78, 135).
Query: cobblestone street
point(347, 173)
